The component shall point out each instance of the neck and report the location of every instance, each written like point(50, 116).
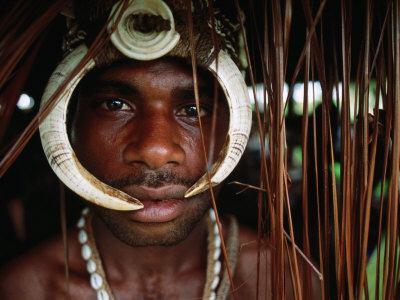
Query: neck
point(122, 260)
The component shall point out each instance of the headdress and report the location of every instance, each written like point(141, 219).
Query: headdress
point(146, 30)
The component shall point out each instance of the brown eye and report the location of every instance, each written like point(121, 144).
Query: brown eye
point(115, 105)
point(191, 111)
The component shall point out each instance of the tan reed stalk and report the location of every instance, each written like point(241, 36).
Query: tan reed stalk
point(388, 126)
point(370, 173)
point(11, 92)
point(196, 92)
point(392, 229)
point(21, 30)
point(383, 176)
point(278, 167)
point(64, 232)
point(287, 26)
point(345, 141)
point(17, 36)
point(26, 135)
point(344, 211)
point(304, 161)
point(264, 177)
point(321, 261)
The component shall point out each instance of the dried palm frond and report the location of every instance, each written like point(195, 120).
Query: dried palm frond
point(341, 211)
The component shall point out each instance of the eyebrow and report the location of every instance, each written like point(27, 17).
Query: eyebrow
point(123, 88)
point(116, 86)
point(188, 92)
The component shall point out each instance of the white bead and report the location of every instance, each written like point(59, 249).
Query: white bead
point(85, 211)
point(81, 222)
point(217, 253)
point(216, 231)
point(212, 296)
point(212, 215)
point(83, 237)
point(86, 252)
point(96, 281)
point(91, 266)
point(217, 241)
point(215, 283)
point(217, 267)
point(102, 295)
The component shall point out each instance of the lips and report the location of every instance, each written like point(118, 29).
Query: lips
point(161, 204)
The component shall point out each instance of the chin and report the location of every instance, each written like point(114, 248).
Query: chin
point(142, 234)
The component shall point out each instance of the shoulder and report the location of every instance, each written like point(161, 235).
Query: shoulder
point(255, 268)
point(27, 276)
point(38, 274)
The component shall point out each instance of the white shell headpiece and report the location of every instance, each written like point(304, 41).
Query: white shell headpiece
point(139, 44)
point(61, 156)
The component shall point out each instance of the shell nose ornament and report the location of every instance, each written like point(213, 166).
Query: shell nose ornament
point(146, 30)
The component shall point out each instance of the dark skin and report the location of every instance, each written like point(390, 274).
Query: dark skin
point(139, 120)
point(143, 117)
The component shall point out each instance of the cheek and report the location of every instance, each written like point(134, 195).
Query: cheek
point(190, 142)
point(94, 144)
point(221, 131)
point(193, 145)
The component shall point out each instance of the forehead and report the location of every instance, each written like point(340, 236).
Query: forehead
point(163, 73)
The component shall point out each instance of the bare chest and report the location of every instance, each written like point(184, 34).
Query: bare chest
point(151, 285)
point(143, 286)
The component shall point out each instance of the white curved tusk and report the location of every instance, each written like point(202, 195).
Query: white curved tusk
point(63, 160)
point(58, 150)
point(237, 96)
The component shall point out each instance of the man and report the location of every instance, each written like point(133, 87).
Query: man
point(144, 142)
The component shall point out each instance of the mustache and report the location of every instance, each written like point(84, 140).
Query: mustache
point(151, 179)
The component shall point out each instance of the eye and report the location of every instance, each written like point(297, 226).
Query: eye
point(114, 105)
point(191, 111)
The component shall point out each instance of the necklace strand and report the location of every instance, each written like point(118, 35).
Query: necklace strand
point(94, 266)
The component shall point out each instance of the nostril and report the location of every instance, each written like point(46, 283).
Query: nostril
point(154, 151)
point(156, 156)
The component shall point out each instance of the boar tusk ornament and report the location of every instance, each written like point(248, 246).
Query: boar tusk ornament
point(58, 150)
point(139, 39)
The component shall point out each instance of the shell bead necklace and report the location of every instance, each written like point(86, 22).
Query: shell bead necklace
point(94, 266)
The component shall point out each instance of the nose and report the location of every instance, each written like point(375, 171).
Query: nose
point(155, 143)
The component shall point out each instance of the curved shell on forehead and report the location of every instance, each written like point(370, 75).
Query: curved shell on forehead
point(234, 87)
point(58, 150)
point(141, 45)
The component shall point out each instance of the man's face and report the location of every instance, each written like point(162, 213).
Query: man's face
point(136, 129)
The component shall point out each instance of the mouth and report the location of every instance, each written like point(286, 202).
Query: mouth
point(160, 204)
